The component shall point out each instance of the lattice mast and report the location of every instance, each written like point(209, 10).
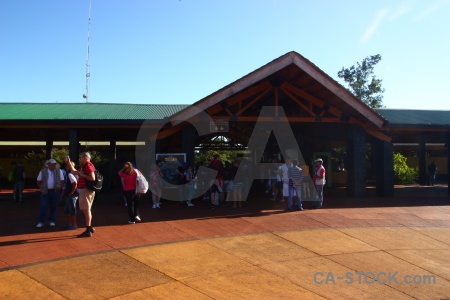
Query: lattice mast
point(88, 74)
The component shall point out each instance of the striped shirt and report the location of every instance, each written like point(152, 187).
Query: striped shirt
point(295, 175)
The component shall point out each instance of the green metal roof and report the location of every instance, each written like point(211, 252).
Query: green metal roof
point(411, 117)
point(86, 111)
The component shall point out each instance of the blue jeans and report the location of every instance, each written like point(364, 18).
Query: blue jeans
point(298, 190)
point(18, 191)
point(51, 199)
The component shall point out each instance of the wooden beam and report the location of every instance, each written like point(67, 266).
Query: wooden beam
point(316, 101)
point(253, 101)
point(284, 119)
point(311, 113)
point(211, 103)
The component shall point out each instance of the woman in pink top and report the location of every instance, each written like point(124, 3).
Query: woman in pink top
point(129, 175)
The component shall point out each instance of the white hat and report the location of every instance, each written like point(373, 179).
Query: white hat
point(51, 161)
point(319, 160)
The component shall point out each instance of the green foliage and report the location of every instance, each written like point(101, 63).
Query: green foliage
point(58, 153)
point(205, 156)
point(402, 173)
point(363, 83)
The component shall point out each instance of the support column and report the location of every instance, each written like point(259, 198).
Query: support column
point(48, 149)
point(448, 162)
point(73, 145)
point(384, 168)
point(113, 150)
point(356, 151)
point(422, 163)
point(188, 143)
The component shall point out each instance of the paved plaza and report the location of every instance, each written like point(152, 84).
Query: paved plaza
point(371, 248)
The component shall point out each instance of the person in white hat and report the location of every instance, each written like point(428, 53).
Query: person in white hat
point(49, 181)
point(319, 182)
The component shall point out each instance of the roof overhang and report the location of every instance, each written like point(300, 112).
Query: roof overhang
point(334, 93)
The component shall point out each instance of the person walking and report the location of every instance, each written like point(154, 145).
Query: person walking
point(432, 168)
point(85, 196)
point(19, 181)
point(319, 182)
point(295, 175)
point(49, 181)
point(129, 176)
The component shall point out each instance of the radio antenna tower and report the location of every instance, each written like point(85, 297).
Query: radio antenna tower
point(88, 74)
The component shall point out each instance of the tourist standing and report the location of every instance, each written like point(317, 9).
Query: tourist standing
point(154, 184)
point(49, 181)
point(319, 182)
point(85, 196)
point(295, 175)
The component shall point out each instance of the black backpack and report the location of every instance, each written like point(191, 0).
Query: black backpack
point(97, 184)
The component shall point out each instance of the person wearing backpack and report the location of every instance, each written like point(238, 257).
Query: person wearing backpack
point(85, 196)
point(129, 176)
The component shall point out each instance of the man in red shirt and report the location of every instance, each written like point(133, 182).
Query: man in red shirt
point(85, 196)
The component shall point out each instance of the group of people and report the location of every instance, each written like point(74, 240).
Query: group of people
point(73, 186)
point(293, 181)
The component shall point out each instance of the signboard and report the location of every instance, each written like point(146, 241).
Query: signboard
point(169, 164)
point(221, 125)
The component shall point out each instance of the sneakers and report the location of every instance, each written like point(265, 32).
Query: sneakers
point(92, 229)
point(131, 222)
point(190, 204)
point(137, 218)
point(39, 225)
point(154, 206)
point(52, 224)
point(86, 233)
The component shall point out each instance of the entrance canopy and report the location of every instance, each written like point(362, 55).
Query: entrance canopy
point(322, 114)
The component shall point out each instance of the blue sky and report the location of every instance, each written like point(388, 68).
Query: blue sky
point(177, 52)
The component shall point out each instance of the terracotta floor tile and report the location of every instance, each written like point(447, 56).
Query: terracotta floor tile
point(326, 241)
point(327, 278)
point(103, 275)
point(394, 238)
point(248, 283)
point(186, 259)
point(16, 285)
point(260, 248)
point(380, 263)
point(171, 290)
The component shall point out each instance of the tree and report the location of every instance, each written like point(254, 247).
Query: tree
point(402, 173)
point(363, 83)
